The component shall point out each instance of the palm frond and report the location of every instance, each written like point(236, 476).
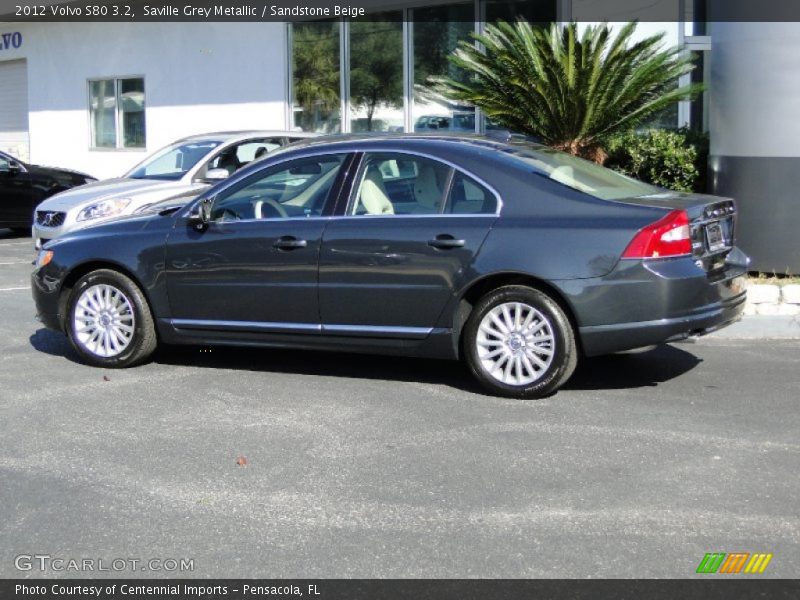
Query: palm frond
point(569, 90)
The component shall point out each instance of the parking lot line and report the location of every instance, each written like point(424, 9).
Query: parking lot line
point(16, 262)
point(14, 289)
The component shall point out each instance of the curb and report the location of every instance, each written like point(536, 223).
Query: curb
point(772, 300)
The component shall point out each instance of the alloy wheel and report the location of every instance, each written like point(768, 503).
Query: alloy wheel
point(515, 343)
point(103, 320)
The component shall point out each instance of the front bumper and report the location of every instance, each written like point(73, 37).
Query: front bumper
point(46, 290)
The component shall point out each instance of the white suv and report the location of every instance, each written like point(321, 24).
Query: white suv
point(188, 165)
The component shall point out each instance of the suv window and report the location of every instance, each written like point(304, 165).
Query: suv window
point(237, 156)
point(295, 189)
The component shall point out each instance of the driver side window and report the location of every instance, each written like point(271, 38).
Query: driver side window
point(299, 188)
point(235, 157)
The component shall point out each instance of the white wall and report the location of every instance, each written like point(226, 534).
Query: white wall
point(199, 77)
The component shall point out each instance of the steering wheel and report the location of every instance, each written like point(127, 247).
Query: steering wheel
point(229, 215)
point(278, 208)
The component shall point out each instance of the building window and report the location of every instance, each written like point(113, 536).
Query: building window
point(316, 98)
point(376, 73)
point(437, 31)
point(116, 113)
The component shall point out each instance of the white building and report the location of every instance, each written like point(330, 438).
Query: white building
point(98, 97)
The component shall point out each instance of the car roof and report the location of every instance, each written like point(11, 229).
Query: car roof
point(499, 141)
point(464, 144)
point(226, 136)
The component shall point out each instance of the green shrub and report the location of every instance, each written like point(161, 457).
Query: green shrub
point(672, 159)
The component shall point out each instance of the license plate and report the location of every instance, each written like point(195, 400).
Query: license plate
point(715, 237)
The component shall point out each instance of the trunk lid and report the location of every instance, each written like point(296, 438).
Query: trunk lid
point(712, 221)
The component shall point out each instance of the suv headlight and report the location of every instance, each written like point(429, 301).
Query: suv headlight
point(104, 208)
point(44, 258)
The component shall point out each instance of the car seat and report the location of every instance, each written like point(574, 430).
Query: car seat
point(372, 195)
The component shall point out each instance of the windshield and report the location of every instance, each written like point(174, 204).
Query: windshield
point(173, 162)
point(582, 175)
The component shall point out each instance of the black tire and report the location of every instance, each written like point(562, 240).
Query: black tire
point(143, 340)
point(564, 352)
point(21, 231)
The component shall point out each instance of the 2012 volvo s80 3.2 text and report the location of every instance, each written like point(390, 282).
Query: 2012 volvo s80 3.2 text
point(508, 255)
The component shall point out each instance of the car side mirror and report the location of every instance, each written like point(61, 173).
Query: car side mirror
point(200, 216)
point(214, 175)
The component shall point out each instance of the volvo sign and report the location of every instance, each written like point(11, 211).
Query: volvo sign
point(10, 41)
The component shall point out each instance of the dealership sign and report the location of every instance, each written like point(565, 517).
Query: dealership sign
point(10, 41)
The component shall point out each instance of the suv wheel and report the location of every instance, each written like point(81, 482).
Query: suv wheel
point(109, 321)
point(519, 343)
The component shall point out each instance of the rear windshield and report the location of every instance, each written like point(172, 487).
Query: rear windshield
point(580, 174)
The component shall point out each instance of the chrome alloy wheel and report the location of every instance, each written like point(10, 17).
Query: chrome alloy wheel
point(515, 343)
point(103, 320)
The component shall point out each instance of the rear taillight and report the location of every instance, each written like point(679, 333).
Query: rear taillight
point(670, 236)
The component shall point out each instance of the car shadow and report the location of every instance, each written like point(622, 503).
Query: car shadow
point(631, 370)
point(324, 364)
point(8, 234)
point(53, 343)
point(647, 368)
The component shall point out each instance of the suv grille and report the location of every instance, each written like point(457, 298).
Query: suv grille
point(49, 218)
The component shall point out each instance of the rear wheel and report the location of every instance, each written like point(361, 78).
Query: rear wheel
point(519, 343)
point(109, 322)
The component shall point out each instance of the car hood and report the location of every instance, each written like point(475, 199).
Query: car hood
point(114, 188)
point(117, 225)
point(57, 171)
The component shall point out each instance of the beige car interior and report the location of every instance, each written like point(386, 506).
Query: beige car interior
point(372, 194)
point(426, 191)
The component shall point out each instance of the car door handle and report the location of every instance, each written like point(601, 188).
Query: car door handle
point(289, 242)
point(446, 242)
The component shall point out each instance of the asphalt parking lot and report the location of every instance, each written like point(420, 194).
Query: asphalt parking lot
point(361, 466)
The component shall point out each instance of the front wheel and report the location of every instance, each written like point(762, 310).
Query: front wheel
point(519, 343)
point(109, 322)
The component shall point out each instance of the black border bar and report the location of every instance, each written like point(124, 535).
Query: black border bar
point(299, 10)
point(711, 588)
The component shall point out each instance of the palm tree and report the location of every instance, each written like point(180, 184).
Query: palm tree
point(570, 91)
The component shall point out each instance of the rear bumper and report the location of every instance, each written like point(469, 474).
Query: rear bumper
point(645, 303)
point(604, 339)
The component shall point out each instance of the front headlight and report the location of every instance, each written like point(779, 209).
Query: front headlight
point(44, 257)
point(104, 208)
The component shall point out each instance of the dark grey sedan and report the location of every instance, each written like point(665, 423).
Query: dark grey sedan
point(510, 256)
